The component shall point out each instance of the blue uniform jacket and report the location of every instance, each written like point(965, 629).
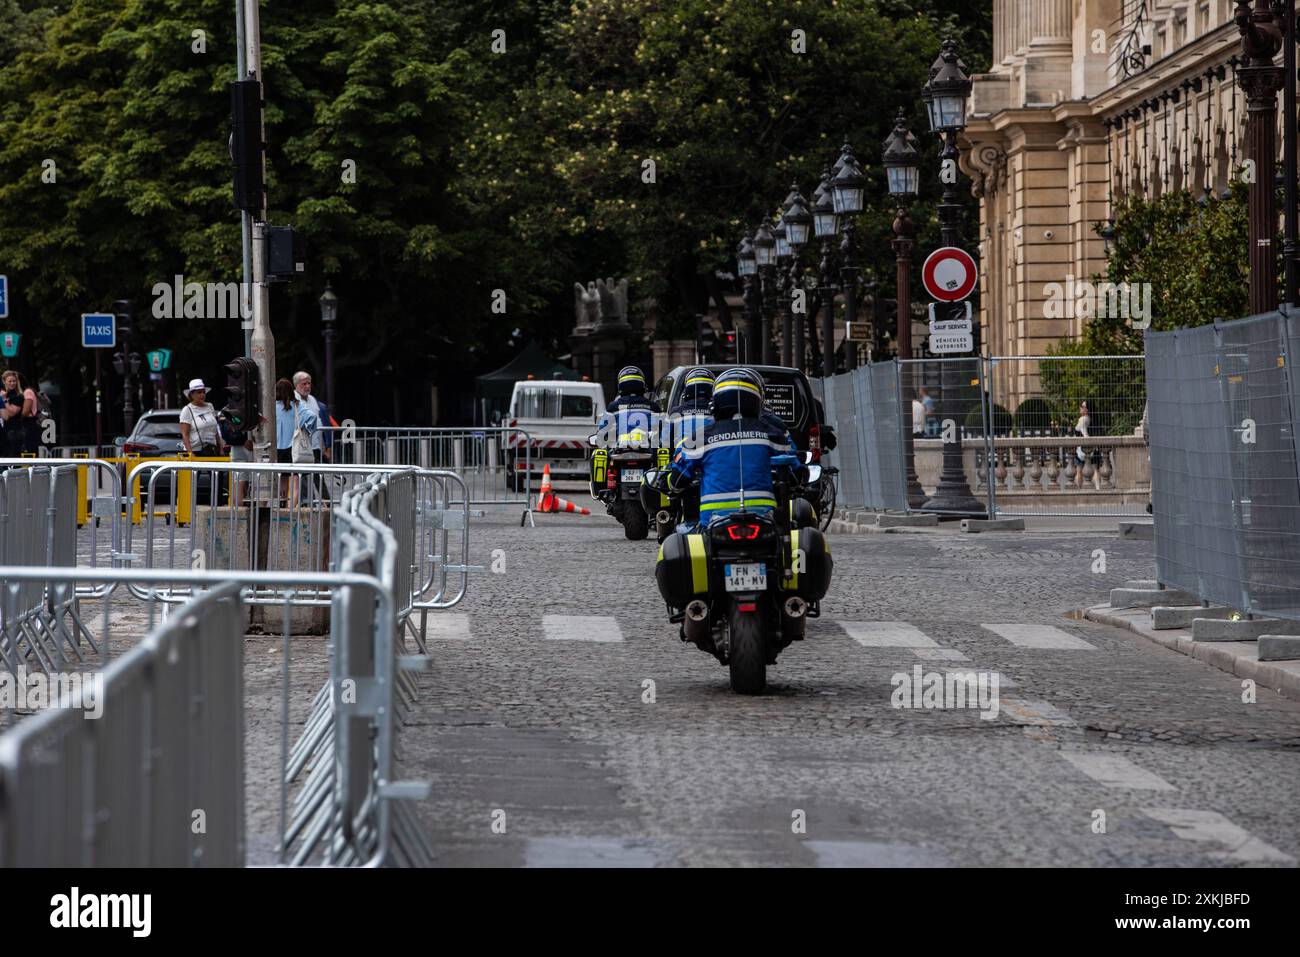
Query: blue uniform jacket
point(736, 455)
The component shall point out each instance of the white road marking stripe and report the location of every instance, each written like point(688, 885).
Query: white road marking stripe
point(1039, 636)
point(1195, 825)
point(873, 854)
point(448, 626)
point(1116, 771)
point(939, 654)
point(1040, 713)
point(581, 628)
point(887, 634)
point(586, 852)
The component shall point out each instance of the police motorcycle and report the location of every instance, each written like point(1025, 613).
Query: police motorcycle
point(624, 450)
point(743, 586)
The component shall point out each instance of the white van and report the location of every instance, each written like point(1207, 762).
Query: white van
point(554, 417)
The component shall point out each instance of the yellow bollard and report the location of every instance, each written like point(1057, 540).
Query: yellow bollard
point(83, 503)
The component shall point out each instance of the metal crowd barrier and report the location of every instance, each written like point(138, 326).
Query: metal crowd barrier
point(157, 779)
point(283, 523)
point(1014, 419)
point(98, 547)
point(116, 791)
point(1225, 462)
point(489, 461)
point(343, 812)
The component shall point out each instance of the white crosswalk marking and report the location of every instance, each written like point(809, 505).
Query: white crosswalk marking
point(1213, 827)
point(887, 634)
point(1116, 771)
point(581, 628)
point(587, 852)
point(1039, 713)
point(875, 854)
point(1039, 636)
point(448, 626)
point(939, 654)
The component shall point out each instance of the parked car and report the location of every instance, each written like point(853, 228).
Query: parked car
point(157, 434)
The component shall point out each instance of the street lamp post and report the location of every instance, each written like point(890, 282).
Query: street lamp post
point(903, 174)
point(825, 226)
point(780, 308)
point(765, 256)
point(122, 312)
point(1261, 38)
point(945, 99)
point(797, 223)
point(329, 312)
point(747, 267)
point(847, 188)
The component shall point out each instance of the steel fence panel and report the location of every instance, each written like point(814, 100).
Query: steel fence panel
point(1226, 483)
point(488, 460)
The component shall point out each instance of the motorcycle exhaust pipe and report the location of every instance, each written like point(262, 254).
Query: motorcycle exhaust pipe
point(795, 607)
point(696, 622)
point(662, 518)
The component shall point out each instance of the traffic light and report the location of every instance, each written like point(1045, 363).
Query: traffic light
point(708, 342)
point(729, 347)
point(246, 144)
point(243, 394)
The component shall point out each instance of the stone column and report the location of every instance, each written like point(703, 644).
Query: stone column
point(1049, 58)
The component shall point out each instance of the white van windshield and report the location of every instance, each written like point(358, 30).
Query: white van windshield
point(547, 403)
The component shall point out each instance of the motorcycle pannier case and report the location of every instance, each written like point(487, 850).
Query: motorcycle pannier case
point(812, 575)
point(683, 569)
point(599, 470)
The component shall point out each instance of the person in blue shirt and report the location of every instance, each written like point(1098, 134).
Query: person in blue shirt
point(684, 427)
point(630, 421)
point(734, 461)
point(631, 392)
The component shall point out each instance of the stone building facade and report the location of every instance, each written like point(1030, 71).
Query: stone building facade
point(1087, 101)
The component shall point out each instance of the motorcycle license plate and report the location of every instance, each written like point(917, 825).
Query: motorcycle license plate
point(632, 475)
point(750, 577)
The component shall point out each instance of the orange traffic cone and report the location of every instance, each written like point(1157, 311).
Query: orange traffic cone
point(548, 501)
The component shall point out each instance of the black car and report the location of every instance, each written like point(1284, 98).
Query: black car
point(788, 394)
point(157, 434)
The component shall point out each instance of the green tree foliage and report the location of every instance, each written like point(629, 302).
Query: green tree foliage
point(478, 167)
point(1193, 253)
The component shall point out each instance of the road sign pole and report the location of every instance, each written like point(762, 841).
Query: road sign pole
point(99, 405)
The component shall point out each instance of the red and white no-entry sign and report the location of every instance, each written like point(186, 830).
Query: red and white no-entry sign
point(950, 274)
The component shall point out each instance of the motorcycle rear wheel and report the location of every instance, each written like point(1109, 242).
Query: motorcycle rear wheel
point(747, 659)
point(636, 523)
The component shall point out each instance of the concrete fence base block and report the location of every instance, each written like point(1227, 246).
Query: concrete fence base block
point(1279, 648)
point(1145, 531)
point(1145, 584)
point(1149, 597)
point(1163, 618)
point(906, 521)
point(1247, 629)
point(992, 525)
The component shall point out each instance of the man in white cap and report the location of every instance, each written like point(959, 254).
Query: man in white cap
point(200, 432)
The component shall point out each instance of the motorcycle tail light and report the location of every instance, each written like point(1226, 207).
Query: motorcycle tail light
point(742, 533)
point(748, 606)
point(611, 478)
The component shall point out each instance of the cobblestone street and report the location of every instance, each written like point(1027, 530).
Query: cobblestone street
point(563, 709)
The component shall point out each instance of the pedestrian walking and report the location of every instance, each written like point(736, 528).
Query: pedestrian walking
point(1083, 428)
point(918, 417)
point(21, 416)
point(931, 420)
point(307, 403)
point(200, 431)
